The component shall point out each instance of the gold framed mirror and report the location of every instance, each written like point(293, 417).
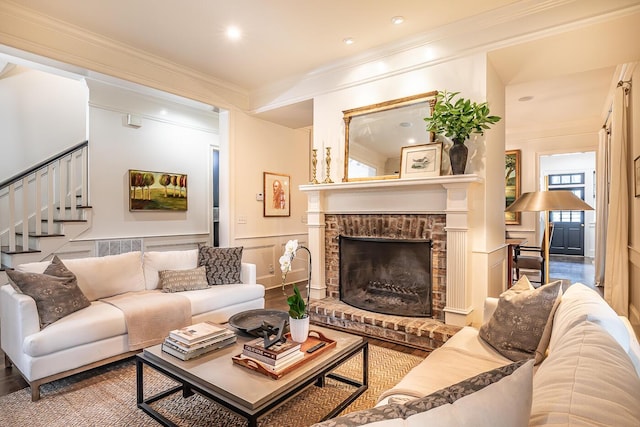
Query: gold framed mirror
point(375, 134)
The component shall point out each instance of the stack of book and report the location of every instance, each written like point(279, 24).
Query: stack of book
point(275, 358)
point(196, 340)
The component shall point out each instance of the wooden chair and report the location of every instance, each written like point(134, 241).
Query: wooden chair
point(534, 260)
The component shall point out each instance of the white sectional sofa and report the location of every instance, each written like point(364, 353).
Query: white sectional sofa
point(98, 334)
point(590, 377)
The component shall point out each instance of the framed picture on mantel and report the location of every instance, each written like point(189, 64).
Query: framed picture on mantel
point(511, 184)
point(420, 161)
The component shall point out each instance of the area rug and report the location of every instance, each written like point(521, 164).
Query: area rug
point(107, 397)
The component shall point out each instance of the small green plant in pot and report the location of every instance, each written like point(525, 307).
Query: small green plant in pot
point(298, 316)
point(297, 306)
point(457, 120)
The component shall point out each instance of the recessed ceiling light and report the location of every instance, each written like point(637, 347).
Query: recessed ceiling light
point(234, 33)
point(411, 141)
point(525, 98)
point(397, 20)
point(348, 40)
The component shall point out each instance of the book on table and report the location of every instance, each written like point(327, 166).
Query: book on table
point(273, 362)
point(170, 347)
point(199, 344)
point(280, 365)
point(275, 351)
point(197, 332)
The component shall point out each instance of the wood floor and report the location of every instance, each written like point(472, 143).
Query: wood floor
point(10, 379)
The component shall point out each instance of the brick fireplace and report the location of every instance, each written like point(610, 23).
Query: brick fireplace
point(434, 209)
point(398, 226)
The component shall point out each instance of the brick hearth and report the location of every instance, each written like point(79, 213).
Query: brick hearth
point(420, 332)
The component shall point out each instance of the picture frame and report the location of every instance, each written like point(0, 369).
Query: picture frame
point(420, 161)
point(511, 185)
point(276, 194)
point(636, 176)
point(157, 191)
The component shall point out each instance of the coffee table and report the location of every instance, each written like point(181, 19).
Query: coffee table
point(246, 392)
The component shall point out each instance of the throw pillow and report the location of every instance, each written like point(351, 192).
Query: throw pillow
point(517, 392)
point(55, 292)
point(183, 280)
point(522, 285)
point(520, 327)
point(486, 407)
point(223, 265)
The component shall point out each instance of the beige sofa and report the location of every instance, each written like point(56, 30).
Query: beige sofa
point(590, 377)
point(100, 333)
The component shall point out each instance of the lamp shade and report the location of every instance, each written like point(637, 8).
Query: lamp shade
point(540, 201)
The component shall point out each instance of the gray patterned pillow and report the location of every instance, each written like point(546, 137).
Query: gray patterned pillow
point(441, 397)
point(520, 327)
point(223, 265)
point(183, 280)
point(55, 292)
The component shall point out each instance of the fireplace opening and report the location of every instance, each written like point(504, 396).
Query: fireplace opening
point(389, 276)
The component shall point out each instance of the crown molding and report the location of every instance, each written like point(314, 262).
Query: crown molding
point(517, 23)
point(27, 30)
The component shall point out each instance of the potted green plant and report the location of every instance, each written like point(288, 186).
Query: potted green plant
point(298, 316)
point(457, 120)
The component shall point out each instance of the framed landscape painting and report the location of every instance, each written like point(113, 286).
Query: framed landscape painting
point(276, 194)
point(511, 184)
point(157, 191)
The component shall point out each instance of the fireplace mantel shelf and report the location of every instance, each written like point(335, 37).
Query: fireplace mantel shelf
point(390, 184)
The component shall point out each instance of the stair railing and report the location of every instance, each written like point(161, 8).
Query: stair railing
point(55, 183)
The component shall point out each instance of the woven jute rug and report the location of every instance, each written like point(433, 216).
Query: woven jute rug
point(107, 397)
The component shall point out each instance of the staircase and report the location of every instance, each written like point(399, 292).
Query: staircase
point(44, 208)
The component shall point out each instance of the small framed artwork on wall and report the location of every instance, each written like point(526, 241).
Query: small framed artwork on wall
point(419, 161)
point(276, 194)
point(157, 191)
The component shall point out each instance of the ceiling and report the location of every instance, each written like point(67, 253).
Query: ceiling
point(278, 36)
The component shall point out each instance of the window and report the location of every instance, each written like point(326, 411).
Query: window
point(573, 182)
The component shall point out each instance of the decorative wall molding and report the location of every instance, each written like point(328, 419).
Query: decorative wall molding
point(38, 34)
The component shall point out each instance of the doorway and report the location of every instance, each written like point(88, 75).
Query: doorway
point(572, 246)
point(568, 226)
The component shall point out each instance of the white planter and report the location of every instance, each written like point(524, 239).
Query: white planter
point(299, 329)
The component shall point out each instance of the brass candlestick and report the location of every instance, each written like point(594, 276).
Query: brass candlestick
point(327, 179)
point(314, 163)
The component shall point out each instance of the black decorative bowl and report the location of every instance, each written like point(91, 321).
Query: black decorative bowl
point(253, 321)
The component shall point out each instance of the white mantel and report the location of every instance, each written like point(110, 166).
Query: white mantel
point(450, 195)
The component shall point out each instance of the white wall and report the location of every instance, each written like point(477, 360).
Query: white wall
point(172, 138)
point(41, 115)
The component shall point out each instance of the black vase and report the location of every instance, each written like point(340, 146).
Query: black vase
point(458, 156)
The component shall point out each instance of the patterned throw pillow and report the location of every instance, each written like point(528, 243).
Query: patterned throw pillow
point(436, 399)
point(520, 327)
point(55, 292)
point(183, 280)
point(223, 264)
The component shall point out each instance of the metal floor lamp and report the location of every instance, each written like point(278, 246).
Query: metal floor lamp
point(547, 201)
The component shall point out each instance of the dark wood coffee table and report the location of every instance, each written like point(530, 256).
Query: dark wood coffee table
point(246, 392)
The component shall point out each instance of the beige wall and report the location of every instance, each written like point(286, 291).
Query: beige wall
point(260, 146)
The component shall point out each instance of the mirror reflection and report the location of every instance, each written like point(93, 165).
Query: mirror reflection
point(374, 135)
